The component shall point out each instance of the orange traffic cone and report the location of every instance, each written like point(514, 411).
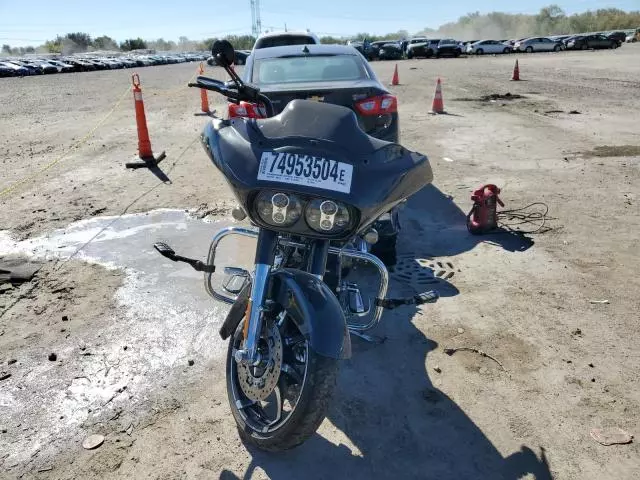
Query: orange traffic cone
point(395, 80)
point(144, 143)
point(204, 98)
point(516, 72)
point(438, 102)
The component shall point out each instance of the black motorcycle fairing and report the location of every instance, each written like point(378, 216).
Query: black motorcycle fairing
point(311, 305)
point(321, 121)
point(384, 173)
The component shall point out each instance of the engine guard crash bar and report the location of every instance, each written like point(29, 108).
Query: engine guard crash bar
point(253, 233)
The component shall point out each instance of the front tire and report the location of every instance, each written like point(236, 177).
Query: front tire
point(302, 394)
point(479, 51)
point(529, 49)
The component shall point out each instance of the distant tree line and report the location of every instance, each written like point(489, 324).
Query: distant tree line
point(551, 20)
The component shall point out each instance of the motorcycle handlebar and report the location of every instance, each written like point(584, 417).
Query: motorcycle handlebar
point(244, 92)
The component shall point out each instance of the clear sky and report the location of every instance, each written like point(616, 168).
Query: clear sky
point(31, 22)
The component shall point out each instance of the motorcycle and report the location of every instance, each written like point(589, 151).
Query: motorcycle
point(313, 185)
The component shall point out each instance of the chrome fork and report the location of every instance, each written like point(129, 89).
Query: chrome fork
point(249, 354)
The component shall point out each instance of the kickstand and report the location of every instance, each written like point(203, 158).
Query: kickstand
point(147, 162)
point(368, 338)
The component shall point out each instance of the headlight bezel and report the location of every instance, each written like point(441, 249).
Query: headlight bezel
point(301, 225)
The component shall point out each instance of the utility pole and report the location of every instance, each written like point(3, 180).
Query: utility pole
point(256, 23)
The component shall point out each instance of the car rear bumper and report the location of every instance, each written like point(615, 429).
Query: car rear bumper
point(390, 133)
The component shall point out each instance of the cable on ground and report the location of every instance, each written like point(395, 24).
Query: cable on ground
point(512, 220)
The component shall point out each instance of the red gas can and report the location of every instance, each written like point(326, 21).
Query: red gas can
point(483, 216)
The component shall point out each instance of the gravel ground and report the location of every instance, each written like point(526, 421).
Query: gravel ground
point(566, 363)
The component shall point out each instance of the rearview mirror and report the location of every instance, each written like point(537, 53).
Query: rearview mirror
point(223, 52)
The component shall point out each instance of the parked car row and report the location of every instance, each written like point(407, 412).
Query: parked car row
point(11, 67)
point(436, 47)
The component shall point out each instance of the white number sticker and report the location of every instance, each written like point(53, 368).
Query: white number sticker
point(307, 170)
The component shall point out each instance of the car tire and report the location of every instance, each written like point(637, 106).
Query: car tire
point(584, 47)
point(529, 49)
point(409, 55)
point(429, 53)
point(557, 48)
point(506, 50)
point(479, 51)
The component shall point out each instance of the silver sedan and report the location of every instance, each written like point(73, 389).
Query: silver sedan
point(538, 44)
point(488, 46)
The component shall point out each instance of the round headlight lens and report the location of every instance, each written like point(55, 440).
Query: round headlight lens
point(327, 216)
point(278, 209)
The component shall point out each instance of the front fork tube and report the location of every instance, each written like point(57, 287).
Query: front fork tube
point(265, 255)
point(318, 260)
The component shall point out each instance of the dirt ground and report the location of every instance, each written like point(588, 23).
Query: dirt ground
point(137, 356)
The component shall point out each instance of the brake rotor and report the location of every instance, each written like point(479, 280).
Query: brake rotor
point(257, 383)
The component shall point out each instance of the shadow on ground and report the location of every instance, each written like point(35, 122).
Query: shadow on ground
point(436, 226)
point(398, 425)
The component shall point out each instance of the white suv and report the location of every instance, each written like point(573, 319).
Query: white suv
point(281, 39)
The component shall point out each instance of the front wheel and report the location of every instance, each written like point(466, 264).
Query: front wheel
point(529, 50)
point(506, 50)
point(556, 48)
point(282, 401)
point(479, 51)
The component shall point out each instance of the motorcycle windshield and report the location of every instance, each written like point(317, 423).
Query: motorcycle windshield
point(318, 149)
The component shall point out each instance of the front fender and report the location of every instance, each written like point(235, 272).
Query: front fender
point(311, 305)
point(314, 309)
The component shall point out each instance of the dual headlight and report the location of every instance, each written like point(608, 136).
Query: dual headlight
point(285, 209)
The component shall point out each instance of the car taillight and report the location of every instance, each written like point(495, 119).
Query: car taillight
point(378, 105)
point(247, 110)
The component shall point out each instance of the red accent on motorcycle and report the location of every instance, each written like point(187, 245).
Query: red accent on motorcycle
point(379, 105)
point(247, 110)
